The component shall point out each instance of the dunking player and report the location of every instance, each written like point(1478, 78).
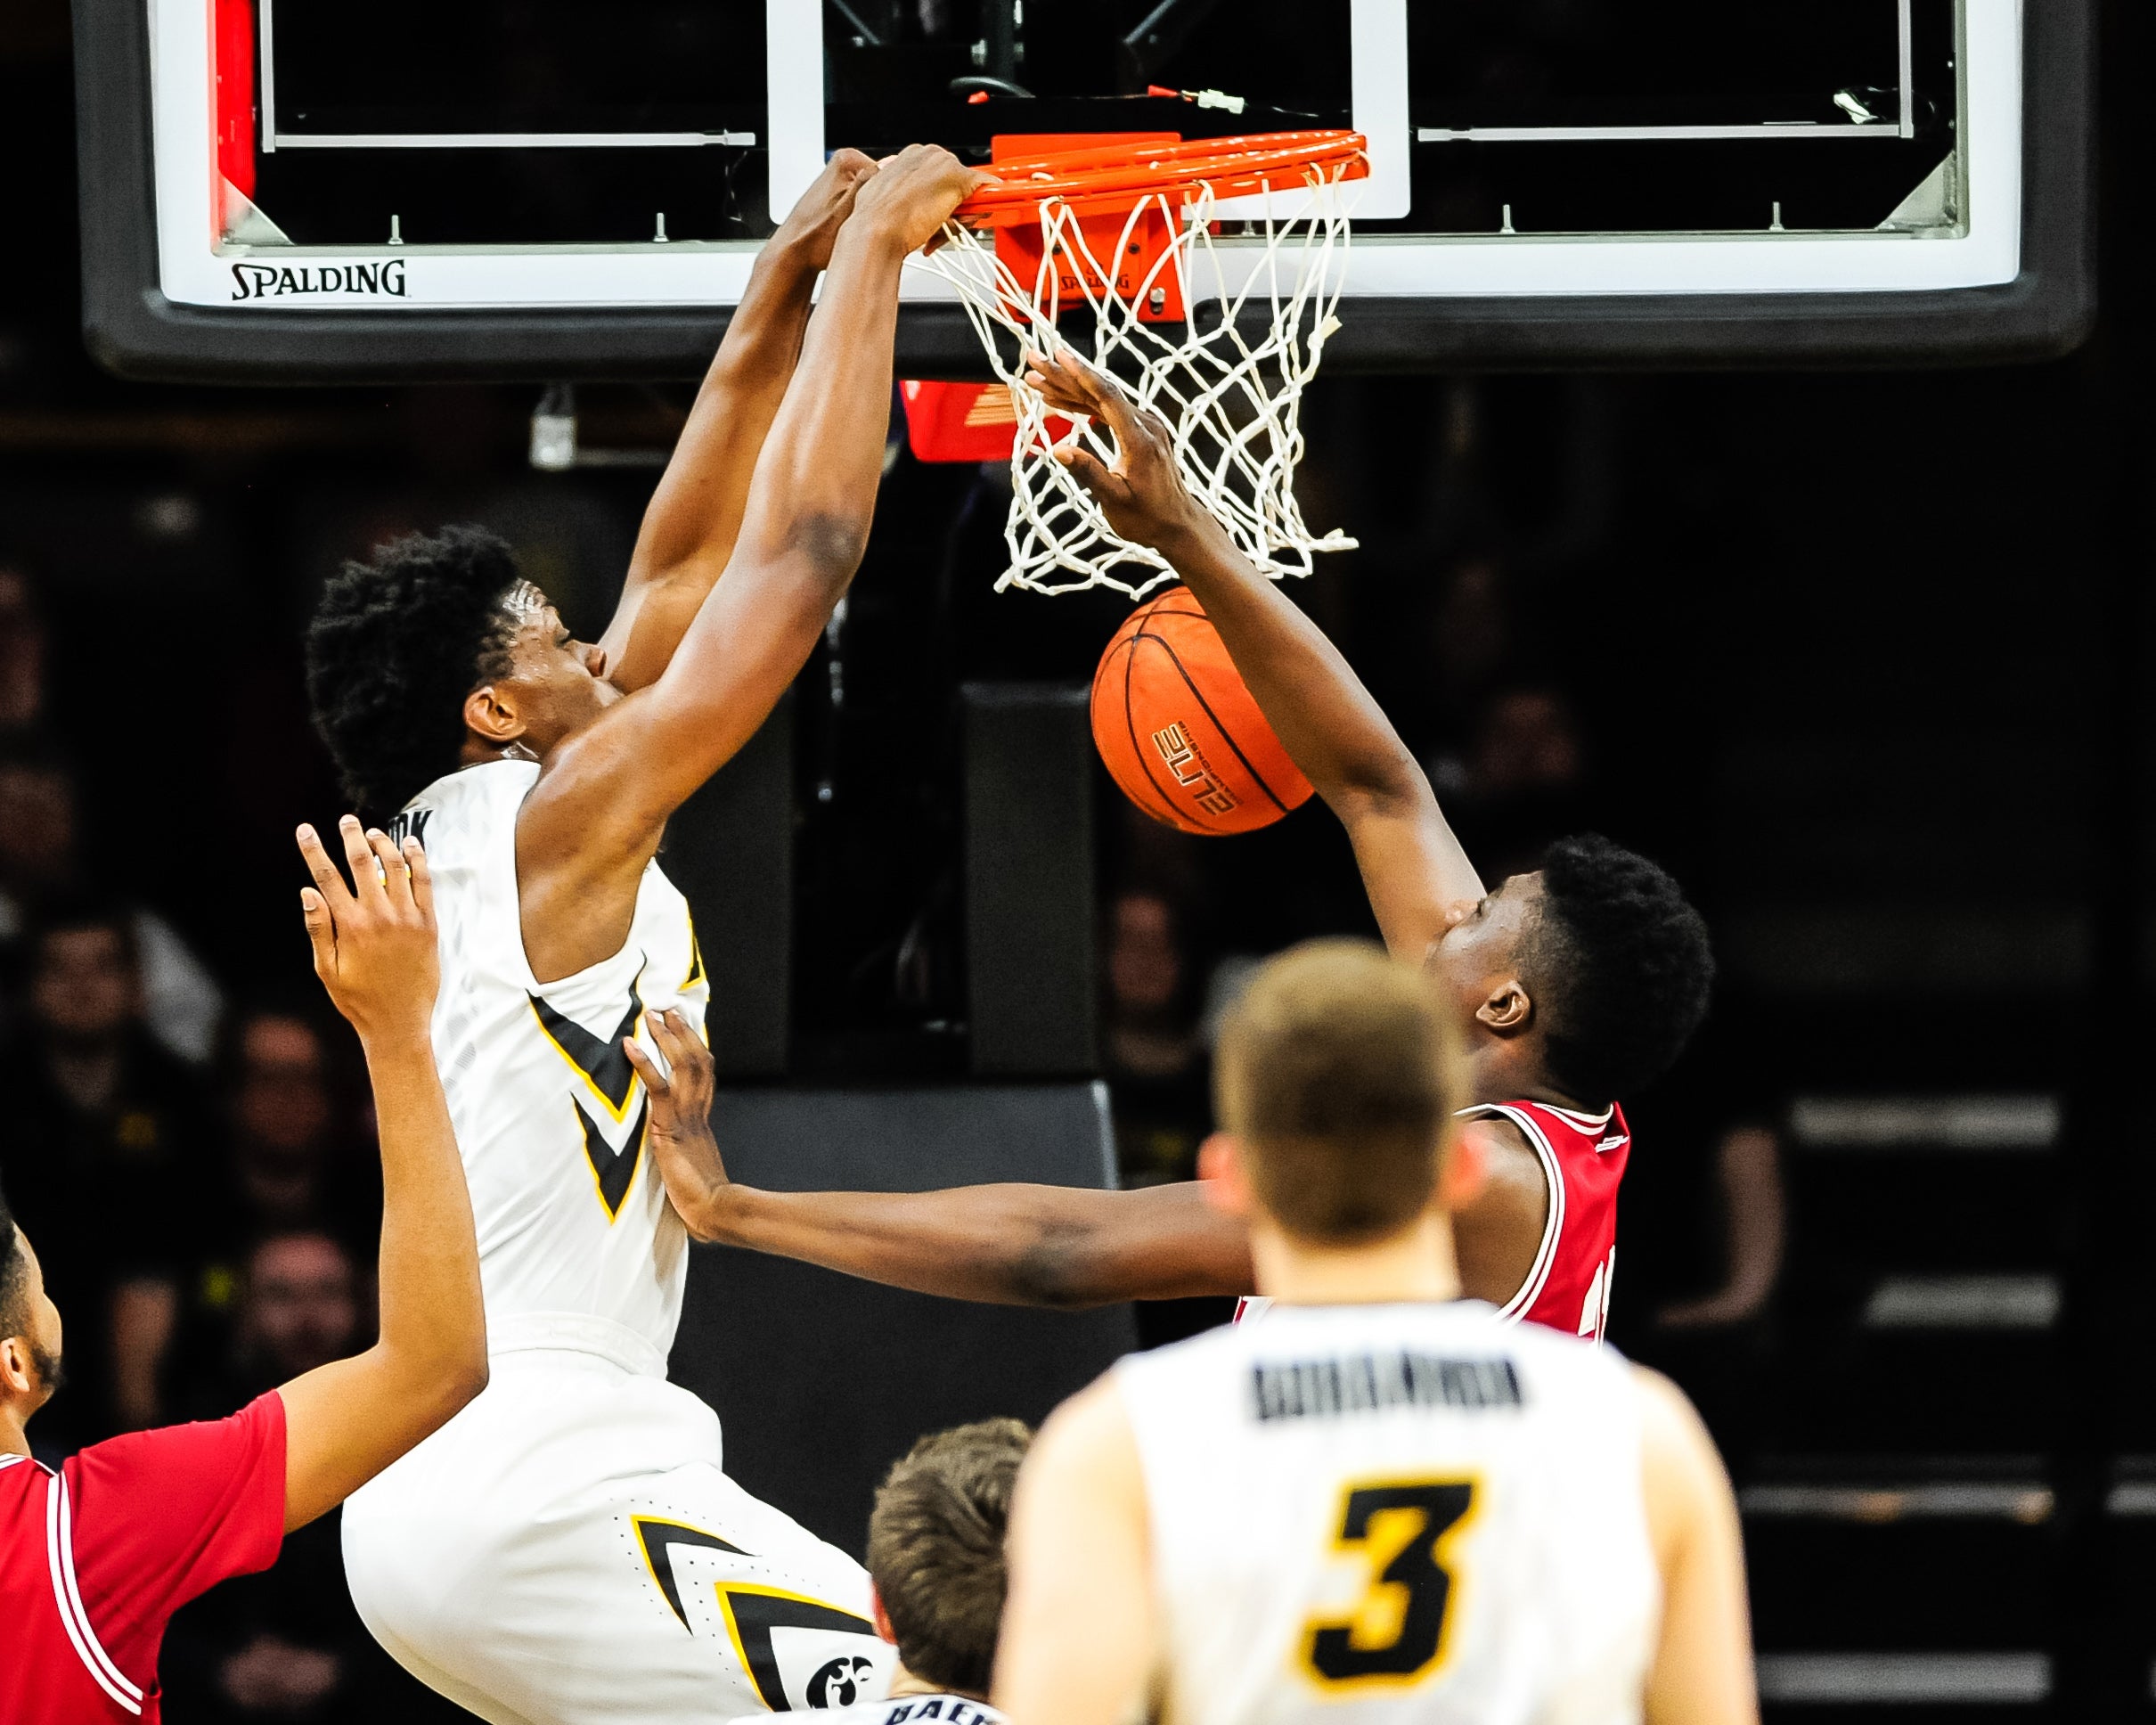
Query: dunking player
point(1577, 983)
point(568, 1550)
point(1382, 1503)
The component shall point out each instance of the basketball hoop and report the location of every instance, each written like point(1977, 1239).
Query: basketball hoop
point(1122, 231)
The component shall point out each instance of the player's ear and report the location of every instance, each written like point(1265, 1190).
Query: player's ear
point(491, 714)
point(1505, 1007)
point(16, 1376)
point(879, 1616)
point(1221, 1176)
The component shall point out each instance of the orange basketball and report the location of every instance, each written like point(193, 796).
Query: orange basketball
point(1179, 730)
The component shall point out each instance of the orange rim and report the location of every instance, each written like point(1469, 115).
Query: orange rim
point(1104, 174)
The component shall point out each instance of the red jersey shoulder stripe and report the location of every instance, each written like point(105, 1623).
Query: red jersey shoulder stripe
point(60, 1555)
point(1552, 1224)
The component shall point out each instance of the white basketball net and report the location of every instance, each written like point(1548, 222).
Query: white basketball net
point(1232, 403)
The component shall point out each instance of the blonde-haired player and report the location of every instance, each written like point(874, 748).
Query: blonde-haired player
point(1382, 1503)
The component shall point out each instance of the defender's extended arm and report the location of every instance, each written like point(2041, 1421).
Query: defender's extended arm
point(1005, 1245)
point(375, 952)
point(694, 516)
point(1412, 864)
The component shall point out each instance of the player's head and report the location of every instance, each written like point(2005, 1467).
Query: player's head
point(436, 643)
point(1337, 1078)
point(1593, 969)
point(935, 1552)
point(30, 1325)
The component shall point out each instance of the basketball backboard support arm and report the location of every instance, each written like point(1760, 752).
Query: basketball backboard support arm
point(134, 328)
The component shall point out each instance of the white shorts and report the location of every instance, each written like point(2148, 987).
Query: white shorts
point(567, 1552)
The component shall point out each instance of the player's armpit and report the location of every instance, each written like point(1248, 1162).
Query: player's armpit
point(1078, 1638)
point(1498, 1235)
point(1007, 1245)
point(1702, 1673)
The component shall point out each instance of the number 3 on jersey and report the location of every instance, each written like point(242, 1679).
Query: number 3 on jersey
point(1395, 1636)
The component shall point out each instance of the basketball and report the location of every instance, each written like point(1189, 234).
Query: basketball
point(1180, 732)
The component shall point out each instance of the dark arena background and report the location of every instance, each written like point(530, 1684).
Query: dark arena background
point(1862, 652)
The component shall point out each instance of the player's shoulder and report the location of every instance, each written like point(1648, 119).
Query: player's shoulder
point(479, 793)
point(1527, 1122)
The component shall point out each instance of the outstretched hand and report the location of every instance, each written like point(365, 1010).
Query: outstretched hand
point(1140, 491)
point(912, 195)
point(373, 940)
point(814, 223)
point(682, 1148)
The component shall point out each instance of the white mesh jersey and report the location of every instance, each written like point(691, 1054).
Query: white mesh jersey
point(1386, 1514)
point(550, 1116)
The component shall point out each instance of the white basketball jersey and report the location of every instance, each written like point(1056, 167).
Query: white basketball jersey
point(550, 1116)
point(1386, 1514)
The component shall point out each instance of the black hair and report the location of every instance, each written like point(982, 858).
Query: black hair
point(395, 644)
point(15, 1274)
point(1619, 963)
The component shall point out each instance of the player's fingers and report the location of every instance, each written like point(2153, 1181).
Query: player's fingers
point(694, 1056)
point(422, 879)
point(322, 930)
point(647, 1068)
point(328, 881)
point(1103, 395)
point(1086, 468)
point(395, 877)
point(668, 1034)
point(366, 877)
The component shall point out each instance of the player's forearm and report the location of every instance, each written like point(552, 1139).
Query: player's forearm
point(1007, 1245)
point(1411, 860)
point(433, 1329)
point(695, 515)
point(1323, 715)
point(816, 480)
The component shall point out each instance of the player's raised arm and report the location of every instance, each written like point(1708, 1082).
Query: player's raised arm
point(607, 790)
point(1702, 1673)
point(1010, 1243)
point(1078, 1643)
point(374, 951)
point(691, 521)
point(1412, 864)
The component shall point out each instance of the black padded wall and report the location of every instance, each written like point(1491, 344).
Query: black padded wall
point(1029, 880)
point(822, 1381)
point(730, 851)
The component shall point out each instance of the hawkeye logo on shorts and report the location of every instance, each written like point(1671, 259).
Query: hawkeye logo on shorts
point(384, 279)
point(797, 1652)
point(611, 1080)
point(1191, 772)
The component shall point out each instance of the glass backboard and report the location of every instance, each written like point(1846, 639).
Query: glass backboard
point(517, 158)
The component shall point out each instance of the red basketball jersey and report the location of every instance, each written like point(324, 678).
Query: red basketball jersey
point(95, 1559)
point(1582, 1157)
